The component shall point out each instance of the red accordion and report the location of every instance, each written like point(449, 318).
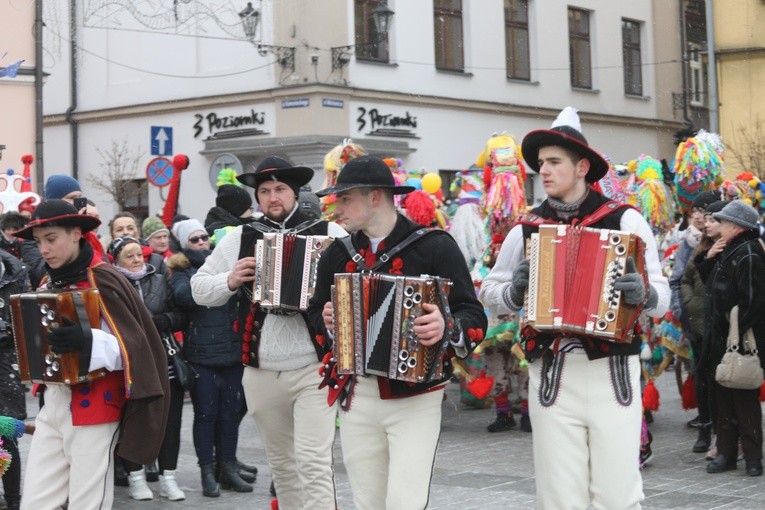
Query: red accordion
point(572, 271)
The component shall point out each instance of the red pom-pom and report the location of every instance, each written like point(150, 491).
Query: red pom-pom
point(530, 344)
point(326, 358)
point(27, 159)
point(650, 397)
point(762, 392)
point(246, 347)
point(420, 208)
point(181, 162)
point(688, 394)
point(396, 266)
point(350, 267)
point(480, 387)
point(235, 326)
point(245, 359)
point(320, 340)
point(274, 504)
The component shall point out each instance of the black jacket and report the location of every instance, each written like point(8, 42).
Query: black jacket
point(157, 294)
point(218, 217)
point(211, 340)
point(434, 255)
point(735, 277)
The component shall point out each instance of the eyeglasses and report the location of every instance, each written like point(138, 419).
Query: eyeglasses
point(196, 239)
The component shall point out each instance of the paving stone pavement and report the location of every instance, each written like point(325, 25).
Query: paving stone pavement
point(478, 470)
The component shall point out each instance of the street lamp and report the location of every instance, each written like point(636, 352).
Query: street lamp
point(285, 55)
point(382, 17)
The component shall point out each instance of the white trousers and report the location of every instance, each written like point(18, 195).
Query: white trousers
point(389, 447)
point(586, 432)
point(68, 462)
point(298, 430)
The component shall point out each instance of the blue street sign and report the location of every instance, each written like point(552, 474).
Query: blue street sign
point(161, 141)
point(160, 171)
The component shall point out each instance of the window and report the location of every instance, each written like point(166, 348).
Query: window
point(136, 196)
point(368, 44)
point(447, 20)
point(633, 73)
point(698, 78)
point(579, 48)
point(517, 39)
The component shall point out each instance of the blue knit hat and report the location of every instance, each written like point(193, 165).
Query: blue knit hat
point(59, 186)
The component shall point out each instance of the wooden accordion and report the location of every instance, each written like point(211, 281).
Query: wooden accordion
point(572, 271)
point(285, 273)
point(33, 314)
point(374, 325)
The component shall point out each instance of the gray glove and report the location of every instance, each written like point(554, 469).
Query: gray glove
point(520, 283)
point(633, 288)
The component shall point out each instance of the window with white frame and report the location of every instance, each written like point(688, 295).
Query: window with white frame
point(579, 48)
point(517, 39)
point(447, 21)
point(633, 73)
point(697, 77)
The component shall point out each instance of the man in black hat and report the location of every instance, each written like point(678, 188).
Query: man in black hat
point(586, 423)
point(281, 353)
point(389, 429)
point(125, 405)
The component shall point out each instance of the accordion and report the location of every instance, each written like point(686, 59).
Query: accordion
point(33, 314)
point(285, 272)
point(374, 325)
point(572, 271)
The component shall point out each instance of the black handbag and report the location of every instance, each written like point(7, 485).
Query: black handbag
point(183, 371)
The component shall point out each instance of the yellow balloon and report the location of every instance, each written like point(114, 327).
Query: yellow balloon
point(431, 183)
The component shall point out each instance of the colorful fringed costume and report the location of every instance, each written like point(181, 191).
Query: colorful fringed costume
point(334, 161)
point(698, 167)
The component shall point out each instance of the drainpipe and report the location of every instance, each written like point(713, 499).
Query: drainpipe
point(73, 127)
point(39, 174)
point(684, 63)
point(714, 120)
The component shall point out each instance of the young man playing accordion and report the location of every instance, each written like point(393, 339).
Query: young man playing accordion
point(80, 424)
point(280, 353)
point(587, 421)
point(389, 429)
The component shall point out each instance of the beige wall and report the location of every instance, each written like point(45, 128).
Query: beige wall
point(740, 46)
point(667, 48)
point(17, 98)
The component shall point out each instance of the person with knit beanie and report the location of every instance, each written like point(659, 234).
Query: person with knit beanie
point(233, 207)
point(281, 356)
point(156, 235)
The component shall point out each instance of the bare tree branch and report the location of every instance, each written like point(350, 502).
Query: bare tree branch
point(120, 165)
point(747, 146)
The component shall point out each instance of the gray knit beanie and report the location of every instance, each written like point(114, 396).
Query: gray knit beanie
point(740, 213)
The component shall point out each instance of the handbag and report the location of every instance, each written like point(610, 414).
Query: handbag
point(183, 371)
point(738, 370)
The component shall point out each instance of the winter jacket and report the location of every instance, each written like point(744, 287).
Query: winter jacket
point(210, 340)
point(735, 277)
point(692, 292)
point(157, 294)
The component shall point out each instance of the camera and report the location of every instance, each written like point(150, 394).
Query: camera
point(80, 203)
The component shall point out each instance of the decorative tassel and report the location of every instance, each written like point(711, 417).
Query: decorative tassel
point(480, 387)
point(688, 394)
point(27, 160)
point(762, 392)
point(650, 397)
point(420, 208)
point(180, 163)
point(227, 176)
point(274, 504)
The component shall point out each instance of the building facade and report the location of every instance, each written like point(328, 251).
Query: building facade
point(185, 78)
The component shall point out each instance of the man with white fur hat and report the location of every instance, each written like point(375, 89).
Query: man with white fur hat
point(587, 423)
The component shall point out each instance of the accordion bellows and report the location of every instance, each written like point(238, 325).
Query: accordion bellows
point(33, 314)
point(572, 271)
point(285, 272)
point(374, 325)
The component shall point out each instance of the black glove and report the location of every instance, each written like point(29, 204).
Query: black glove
point(631, 284)
point(520, 283)
point(162, 322)
point(66, 338)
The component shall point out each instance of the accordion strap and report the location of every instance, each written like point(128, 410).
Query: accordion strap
point(266, 229)
point(82, 317)
point(415, 236)
point(533, 220)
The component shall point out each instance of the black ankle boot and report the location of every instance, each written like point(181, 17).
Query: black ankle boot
point(525, 423)
point(704, 440)
point(152, 472)
point(120, 475)
point(230, 479)
point(504, 422)
point(209, 485)
point(754, 467)
point(246, 467)
point(722, 463)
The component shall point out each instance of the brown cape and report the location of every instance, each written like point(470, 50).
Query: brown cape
point(145, 366)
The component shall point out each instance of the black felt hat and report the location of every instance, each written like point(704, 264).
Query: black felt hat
point(568, 138)
point(365, 172)
point(274, 168)
point(58, 213)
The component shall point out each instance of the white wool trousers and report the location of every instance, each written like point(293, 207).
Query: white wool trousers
point(298, 431)
point(586, 417)
point(389, 447)
point(68, 462)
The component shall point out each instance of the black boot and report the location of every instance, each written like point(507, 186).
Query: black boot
point(120, 475)
point(753, 468)
point(209, 485)
point(703, 442)
point(247, 476)
point(246, 467)
point(504, 422)
point(722, 463)
point(230, 479)
point(152, 473)
point(525, 423)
